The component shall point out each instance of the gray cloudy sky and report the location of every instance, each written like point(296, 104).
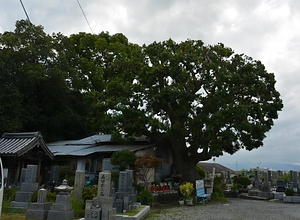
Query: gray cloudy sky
point(267, 30)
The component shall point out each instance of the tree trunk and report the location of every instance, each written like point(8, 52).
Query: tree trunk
point(186, 167)
point(184, 161)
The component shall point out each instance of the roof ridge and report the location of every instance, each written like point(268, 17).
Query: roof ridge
point(22, 135)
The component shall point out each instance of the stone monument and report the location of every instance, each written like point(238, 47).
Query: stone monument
point(266, 183)
point(228, 177)
point(209, 182)
point(28, 187)
point(78, 184)
point(101, 207)
point(256, 183)
point(39, 210)
point(53, 178)
point(294, 180)
point(266, 188)
point(126, 195)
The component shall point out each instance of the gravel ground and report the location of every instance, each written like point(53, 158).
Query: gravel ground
point(241, 209)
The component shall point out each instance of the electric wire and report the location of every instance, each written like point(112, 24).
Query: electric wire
point(85, 16)
point(25, 10)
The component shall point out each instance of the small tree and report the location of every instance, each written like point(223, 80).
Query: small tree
point(200, 172)
point(243, 181)
point(123, 160)
point(143, 165)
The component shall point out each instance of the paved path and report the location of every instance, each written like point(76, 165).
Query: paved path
point(240, 209)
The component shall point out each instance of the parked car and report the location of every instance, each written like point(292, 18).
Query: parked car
point(280, 186)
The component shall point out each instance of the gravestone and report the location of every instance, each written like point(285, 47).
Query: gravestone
point(266, 188)
point(53, 178)
point(207, 174)
point(28, 187)
point(223, 177)
point(39, 210)
point(266, 184)
point(279, 174)
point(294, 180)
point(78, 184)
point(23, 175)
point(256, 183)
point(270, 177)
point(62, 208)
point(101, 207)
point(125, 197)
point(209, 182)
point(228, 177)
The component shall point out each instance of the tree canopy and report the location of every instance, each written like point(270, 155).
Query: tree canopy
point(196, 100)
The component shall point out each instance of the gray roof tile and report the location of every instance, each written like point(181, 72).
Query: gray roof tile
point(16, 144)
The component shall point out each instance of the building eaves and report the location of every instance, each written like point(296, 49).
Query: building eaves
point(17, 144)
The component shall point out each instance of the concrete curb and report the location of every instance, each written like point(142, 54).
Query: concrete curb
point(140, 215)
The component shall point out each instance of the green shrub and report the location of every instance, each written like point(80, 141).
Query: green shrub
point(78, 207)
point(88, 193)
point(243, 181)
point(9, 194)
point(51, 197)
point(34, 197)
point(123, 159)
point(145, 197)
point(217, 194)
point(138, 187)
point(289, 192)
point(236, 186)
point(200, 172)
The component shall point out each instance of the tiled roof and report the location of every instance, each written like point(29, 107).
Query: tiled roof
point(218, 167)
point(84, 150)
point(16, 144)
point(100, 143)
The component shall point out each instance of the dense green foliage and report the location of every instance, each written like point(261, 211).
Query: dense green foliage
point(88, 193)
point(123, 159)
point(218, 194)
point(33, 86)
point(145, 197)
point(243, 181)
point(178, 94)
point(200, 172)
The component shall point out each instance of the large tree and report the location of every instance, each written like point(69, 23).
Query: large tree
point(196, 100)
point(34, 94)
point(199, 101)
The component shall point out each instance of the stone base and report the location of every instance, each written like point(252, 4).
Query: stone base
point(23, 196)
point(93, 214)
point(267, 195)
point(291, 199)
point(29, 187)
point(278, 195)
point(63, 215)
point(20, 205)
point(253, 192)
point(38, 211)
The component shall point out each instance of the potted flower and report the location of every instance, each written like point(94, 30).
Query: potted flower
point(186, 189)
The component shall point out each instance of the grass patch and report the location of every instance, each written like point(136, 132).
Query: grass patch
point(165, 210)
point(134, 212)
point(13, 217)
